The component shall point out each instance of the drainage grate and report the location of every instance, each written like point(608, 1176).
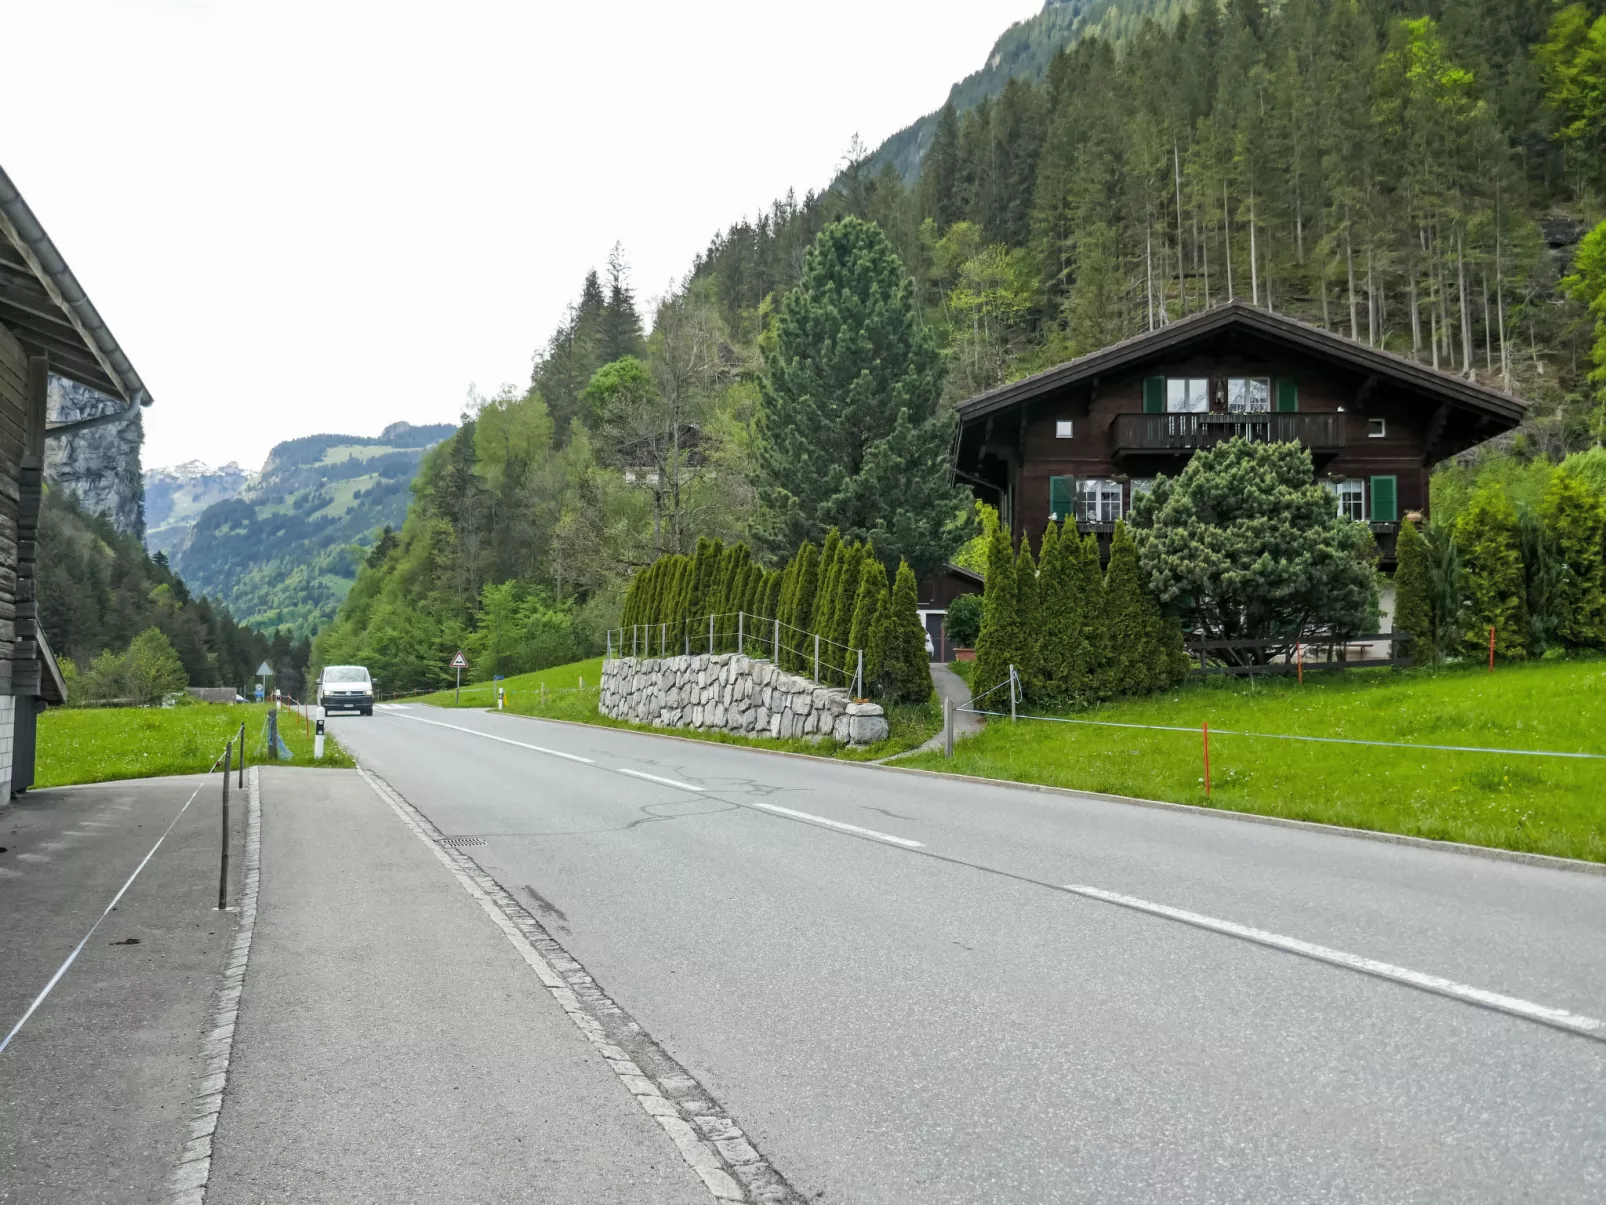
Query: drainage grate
point(463, 842)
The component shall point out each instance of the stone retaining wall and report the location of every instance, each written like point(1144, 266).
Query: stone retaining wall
point(734, 693)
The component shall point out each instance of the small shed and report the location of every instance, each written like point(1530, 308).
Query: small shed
point(47, 325)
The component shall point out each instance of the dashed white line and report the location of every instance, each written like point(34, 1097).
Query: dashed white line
point(668, 782)
point(837, 824)
point(1558, 1017)
point(418, 719)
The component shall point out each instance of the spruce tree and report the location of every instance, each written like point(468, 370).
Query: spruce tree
point(851, 432)
point(996, 646)
point(1575, 520)
point(1413, 606)
point(1486, 536)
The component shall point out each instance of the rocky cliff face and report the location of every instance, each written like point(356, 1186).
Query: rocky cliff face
point(100, 466)
point(176, 496)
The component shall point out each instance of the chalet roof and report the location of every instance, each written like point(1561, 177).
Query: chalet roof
point(43, 304)
point(1185, 334)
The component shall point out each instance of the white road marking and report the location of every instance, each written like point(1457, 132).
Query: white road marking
point(1557, 1017)
point(847, 828)
point(418, 719)
point(79, 948)
point(668, 782)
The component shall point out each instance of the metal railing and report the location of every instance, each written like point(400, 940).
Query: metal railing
point(1189, 432)
point(825, 661)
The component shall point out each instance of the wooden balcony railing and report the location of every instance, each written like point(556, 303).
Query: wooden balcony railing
point(1189, 432)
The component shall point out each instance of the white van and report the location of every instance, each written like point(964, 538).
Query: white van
point(346, 688)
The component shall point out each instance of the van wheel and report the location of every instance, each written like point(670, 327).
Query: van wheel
point(368, 711)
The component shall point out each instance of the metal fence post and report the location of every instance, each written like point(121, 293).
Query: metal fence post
point(741, 630)
point(1011, 694)
point(223, 861)
point(858, 678)
point(775, 644)
point(710, 635)
point(948, 728)
point(242, 755)
point(663, 639)
point(816, 657)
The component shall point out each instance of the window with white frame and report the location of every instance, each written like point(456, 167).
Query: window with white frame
point(1377, 428)
point(1249, 395)
point(1063, 428)
point(1187, 395)
point(1351, 499)
point(1098, 500)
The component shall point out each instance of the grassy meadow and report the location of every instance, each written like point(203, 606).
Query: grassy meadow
point(564, 700)
point(1536, 804)
point(79, 745)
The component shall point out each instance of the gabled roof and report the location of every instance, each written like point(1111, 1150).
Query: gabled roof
point(1198, 329)
point(43, 304)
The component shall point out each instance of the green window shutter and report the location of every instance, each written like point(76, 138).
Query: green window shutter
point(1287, 395)
point(1061, 491)
point(1154, 395)
point(1384, 508)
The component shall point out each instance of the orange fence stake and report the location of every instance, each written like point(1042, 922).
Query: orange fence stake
point(1491, 648)
point(1207, 758)
point(1299, 661)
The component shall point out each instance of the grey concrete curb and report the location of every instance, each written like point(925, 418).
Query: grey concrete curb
point(1487, 852)
point(188, 1183)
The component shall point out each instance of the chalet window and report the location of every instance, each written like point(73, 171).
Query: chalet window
point(1098, 500)
point(1249, 395)
point(1063, 429)
point(1351, 499)
point(1187, 395)
point(1376, 428)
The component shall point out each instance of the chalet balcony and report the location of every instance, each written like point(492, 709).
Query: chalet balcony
point(1159, 437)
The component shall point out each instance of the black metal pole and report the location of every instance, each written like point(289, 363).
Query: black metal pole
point(241, 783)
point(223, 864)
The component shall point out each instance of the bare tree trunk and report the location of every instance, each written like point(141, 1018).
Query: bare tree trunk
point(1226, 232)
point(1148, 273)
point(1416, 313)
point(1182, 287)
point(1327, 318)
point(1254, 256)
point(1488, 328)
point(1433, 324)
point(1349, 261)
point(1461, 296)
point(1371, 304)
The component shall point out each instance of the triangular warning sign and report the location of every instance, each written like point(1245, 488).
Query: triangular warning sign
point(266, 671)
point(459, 661)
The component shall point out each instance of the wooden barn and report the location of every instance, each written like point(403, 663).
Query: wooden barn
point(47, 325)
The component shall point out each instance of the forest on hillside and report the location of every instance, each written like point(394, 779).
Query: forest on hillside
point(1412, 175)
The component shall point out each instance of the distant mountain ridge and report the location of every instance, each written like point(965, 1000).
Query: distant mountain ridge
point(282, 546)
point(1023, 51)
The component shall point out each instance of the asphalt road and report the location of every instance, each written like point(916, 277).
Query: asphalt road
point(884, 979)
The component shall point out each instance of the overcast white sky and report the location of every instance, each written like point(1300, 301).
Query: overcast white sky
point(303, 217)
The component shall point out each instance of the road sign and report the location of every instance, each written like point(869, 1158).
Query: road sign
point(459, 661)
point(266, 671)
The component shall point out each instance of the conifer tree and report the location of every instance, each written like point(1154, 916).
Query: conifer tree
point(1028, 642)
point(825, 592)
point(1486, 536)
point(1125, 623)
point(1062, 635)
point(898, 644)
point(1413, 606)
point(850, 566)
point(1574, 517)
point(772, 593)
point(1100, 656)
point(804, 589)
point(996, 646)
point(851, 432)
point(872, 588)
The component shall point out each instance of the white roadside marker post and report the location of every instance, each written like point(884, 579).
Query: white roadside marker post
point(317, 742)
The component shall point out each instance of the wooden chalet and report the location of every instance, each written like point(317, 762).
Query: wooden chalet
point(1079, 440)
point(47, 325)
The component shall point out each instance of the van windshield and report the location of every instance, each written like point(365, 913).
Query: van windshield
point(345, 673)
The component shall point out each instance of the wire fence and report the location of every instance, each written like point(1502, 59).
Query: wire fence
point(1017, 695)
point(825, 661)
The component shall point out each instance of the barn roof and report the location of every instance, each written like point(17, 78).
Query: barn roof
point(42, 303)
point(1200, 330)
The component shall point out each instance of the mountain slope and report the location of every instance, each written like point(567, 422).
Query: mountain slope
point(1023, 51)
point(283, 547)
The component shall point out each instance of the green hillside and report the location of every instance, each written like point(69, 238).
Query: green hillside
point(283, 551)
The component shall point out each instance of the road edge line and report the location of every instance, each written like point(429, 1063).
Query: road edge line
point(188, 1183)
point(702, 1132)
point(1490, 853)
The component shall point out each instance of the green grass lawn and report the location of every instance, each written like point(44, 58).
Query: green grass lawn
point(104, 743)
point(1542, 805)
point(908, 726)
